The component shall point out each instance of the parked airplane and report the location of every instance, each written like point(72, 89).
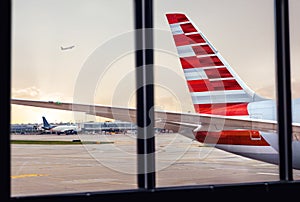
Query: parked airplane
point(228, 114)
point(59, 129)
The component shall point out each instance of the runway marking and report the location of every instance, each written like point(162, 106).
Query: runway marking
point(267, 173)
point(83, 181)
point(27, 175)
point(87, 181)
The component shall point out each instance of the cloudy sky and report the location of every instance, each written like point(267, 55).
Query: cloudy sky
point(100, 68)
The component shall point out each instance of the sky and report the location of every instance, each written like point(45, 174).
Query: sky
point(100, 68)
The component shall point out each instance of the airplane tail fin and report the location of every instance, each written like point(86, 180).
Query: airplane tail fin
point(46, 125)
point(214, 86)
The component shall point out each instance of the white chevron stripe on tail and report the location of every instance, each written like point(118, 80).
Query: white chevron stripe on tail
point(215, 88)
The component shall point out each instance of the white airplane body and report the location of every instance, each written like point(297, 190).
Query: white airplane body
point(59, 129)
point(228, 114)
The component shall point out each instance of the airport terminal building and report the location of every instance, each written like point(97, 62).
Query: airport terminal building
point(23, 128)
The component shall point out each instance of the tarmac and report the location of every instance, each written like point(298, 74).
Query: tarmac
point(106, 162)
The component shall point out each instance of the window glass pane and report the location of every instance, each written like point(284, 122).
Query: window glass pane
point(215, 58)
point(294, 7)
point(72, 52)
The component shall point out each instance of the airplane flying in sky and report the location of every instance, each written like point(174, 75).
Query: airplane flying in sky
point(228, 114)
point(66, 48)
point(59, 129)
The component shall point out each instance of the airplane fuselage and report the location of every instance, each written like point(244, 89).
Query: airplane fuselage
point(255, 144)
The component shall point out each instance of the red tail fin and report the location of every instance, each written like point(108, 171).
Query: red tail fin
point(215, 88)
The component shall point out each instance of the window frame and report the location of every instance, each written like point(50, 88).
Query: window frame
point(146, 184)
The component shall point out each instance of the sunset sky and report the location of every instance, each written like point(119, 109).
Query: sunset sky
point(100, 68)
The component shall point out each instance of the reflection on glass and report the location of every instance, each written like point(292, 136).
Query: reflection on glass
point(294, 7)
point(228, 149)
point(65, 52)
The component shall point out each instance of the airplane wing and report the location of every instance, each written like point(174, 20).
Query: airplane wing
point(218, 94)
point(164, 119)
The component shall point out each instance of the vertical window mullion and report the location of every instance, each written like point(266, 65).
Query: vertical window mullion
point(145, 94)
point(5, 68)
point(283, 89)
